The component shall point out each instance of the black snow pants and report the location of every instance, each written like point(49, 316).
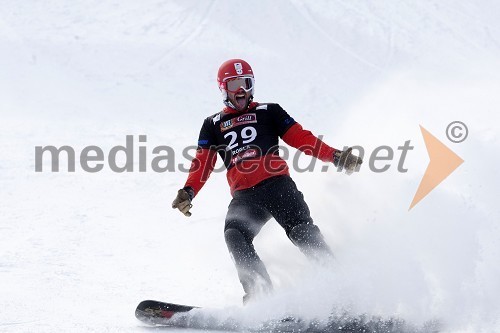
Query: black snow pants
point(250, 209)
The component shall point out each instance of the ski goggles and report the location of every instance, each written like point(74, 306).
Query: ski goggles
point(240, 82)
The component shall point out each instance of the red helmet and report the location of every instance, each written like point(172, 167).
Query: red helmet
point(229, 71)
point(233, 68)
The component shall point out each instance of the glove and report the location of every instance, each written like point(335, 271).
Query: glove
point(345, 160)
point(183, 200)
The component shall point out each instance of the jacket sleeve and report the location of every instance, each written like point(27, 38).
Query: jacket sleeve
point(305, 141)
point(204, 162)
point(201, 167)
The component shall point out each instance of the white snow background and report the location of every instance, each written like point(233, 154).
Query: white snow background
point(79, 250)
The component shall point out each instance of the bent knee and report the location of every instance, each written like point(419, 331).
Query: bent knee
point(233, 235)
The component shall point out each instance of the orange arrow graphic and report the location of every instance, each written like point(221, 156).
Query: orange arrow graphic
point(442, 163)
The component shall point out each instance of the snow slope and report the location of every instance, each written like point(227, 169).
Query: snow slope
point(79, 250)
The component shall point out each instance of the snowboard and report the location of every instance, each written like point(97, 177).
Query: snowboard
point(184, 316)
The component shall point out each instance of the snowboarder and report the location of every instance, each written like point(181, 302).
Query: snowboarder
point(245, 134)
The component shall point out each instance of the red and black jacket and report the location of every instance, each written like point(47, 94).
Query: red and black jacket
point(247, 141)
